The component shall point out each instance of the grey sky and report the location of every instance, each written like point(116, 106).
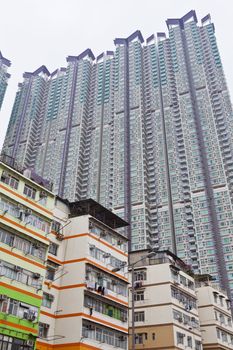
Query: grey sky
point(36, 32)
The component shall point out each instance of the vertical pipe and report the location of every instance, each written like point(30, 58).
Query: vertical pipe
point(133, 292)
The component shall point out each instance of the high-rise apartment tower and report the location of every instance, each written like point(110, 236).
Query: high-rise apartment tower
point(4, 76)
point(146, 130)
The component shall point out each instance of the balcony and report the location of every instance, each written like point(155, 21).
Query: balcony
point(96, 335)
point(23, 216)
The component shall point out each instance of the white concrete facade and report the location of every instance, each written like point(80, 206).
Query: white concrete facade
point(214, 309)
point(89, 307)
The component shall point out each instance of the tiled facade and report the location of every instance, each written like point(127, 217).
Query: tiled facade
point(25, 220)
point(58, 287)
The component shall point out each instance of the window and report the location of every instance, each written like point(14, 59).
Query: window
point(197, 345)
point(56, 226)
point(47, 300)
point(189, 342)
point(104, 335)
point(218, 334)
point(20, 274)
point(221, 318)
point(43, 330)
point(180, 338)
point(138, 296)
point(29, 191)
point(153, 336)
point(24, 214)
point(18, 309)
point(53, 247)
point(139, 316)
point(35, 249)
point(139, 338)
point(51, 270)
point(14, 343)
point(215, 294)
point(224, 336)
point(140, 275)
point(9, 180)
point(104, 308)
point(231, 337)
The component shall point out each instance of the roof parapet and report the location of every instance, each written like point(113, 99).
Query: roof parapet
point(123, 41)
point(41, 69)
point(82, 55)
point(181, 21)
point(5, 60)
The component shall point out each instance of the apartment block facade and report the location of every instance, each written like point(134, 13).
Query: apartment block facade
point(85, 303)
point(4, 76)
point(166, 309)
point(146, 131)
point(214, 308)
point(25, 218)
point(57, 284)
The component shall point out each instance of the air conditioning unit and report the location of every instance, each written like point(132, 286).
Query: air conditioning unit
point(20, 214)
point(92, 246)
point(51, 297)
point(91, 225)
point(91, 327)
point(59, 236)
point(124, 319)
point(36, 245)
point(25, 315)
point(28, 212)
point(88, 270)
point(30, 342)
point(119, 242)
point(3, 297)
point(103, 234)
point(138, 284)
point(121, 338)
point(31, 316)
point(106, 255)
point(36, 276)
point(180, 319)
point(18, 268)
point(4, 175)
point(43, 194)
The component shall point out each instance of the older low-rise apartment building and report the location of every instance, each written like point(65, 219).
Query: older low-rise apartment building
point(57, 284)
point(26, 206)
point(85, 303)
point(174, 309)
point(215, 316)
point(166, 311)
point(64, 279)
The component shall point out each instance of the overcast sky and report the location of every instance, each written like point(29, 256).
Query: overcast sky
point(36, 32)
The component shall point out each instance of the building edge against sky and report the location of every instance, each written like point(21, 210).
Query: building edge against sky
point(56, 278)
point(146, 130)
point(4, 76)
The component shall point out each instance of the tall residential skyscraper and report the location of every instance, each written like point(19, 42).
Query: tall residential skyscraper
point(4, 76)
point(145, 130)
